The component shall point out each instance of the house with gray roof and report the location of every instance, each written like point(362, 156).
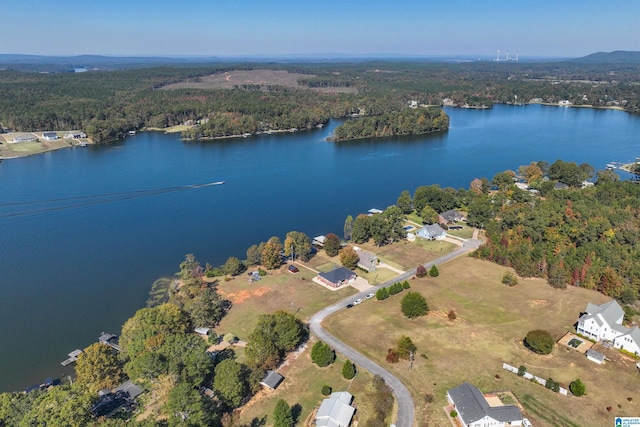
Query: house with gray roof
point(337, 277)
point(272, 380)
point(50, 136)
point(595, 356)
point(474, 410)
point(431, 232)
point(368, 261)
point(336, 410)
point(604, 323)
point(450, 216)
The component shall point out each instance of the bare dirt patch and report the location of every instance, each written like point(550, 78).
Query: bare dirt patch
point(231, 79)
point(243, 295)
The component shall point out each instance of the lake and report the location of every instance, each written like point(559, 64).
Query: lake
point(69, 273)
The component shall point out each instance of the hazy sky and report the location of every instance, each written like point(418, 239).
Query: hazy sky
point(241, 27)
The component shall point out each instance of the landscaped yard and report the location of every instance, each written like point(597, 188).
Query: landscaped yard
point(492, 319)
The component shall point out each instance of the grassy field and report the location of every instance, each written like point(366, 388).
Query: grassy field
point(279, 290)
point(492, 320)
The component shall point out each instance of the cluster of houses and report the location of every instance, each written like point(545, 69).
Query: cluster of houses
point(47, 136)
point(435, 231)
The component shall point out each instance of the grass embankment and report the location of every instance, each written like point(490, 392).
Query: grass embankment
point(492, 319)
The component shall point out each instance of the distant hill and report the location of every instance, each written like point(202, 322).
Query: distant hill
point(100, 62)
point(616, 57)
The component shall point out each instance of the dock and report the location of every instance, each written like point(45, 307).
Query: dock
point(73, 357)
point(109, 339)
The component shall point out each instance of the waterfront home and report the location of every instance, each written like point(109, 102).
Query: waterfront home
point(24, 138)
point(50, 136)
point(431, 232)
point(450, 216)
point(337, 277)
point(368, 261)
point(473, 409)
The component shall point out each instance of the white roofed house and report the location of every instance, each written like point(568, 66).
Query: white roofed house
point(604, 323)
point(601, 322)
point(336, 410)
point(24, 138)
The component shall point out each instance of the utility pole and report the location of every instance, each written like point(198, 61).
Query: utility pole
point(411, 360)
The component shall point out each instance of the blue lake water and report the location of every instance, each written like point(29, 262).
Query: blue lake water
point(68, 274)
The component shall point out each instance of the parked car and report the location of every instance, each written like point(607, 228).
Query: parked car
point(358, 301)
point(369, 296)
point(349, 305)
point(293, 269)
point(526, 423)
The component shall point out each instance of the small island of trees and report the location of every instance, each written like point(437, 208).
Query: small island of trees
point(410, 121)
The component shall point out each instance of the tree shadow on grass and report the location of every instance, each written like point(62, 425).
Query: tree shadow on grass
point(296, 410)
point(257, 422)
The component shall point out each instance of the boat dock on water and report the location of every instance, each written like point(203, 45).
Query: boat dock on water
point(105, 338)
point(73, 357)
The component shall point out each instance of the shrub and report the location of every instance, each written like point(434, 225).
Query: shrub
point(405, 285)
point(453, 413)
point(433, 272)
point(522, 370)
point(326, 390)
point(539, 341)
point(551, 384)
point(577, 388)
point(509, 279)
point(414, 305)
point(421, 271)
point(382, 293)
point(348, 370)
point(262, 272)
point(392, 356)
point(322, 355)
point(452, 315)
point(396, 288)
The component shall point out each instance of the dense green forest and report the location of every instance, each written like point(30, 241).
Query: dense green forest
point(409, 121)
point(107, 104)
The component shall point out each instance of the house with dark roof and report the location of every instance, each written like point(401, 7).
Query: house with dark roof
point(431, 232)
point(595, 356)
point(449, 217)
point(604, 322)
point(336, 410)
point(474, 410)
point(272, 380)
point(337, 277)
point(560, 186)
point(50, 136)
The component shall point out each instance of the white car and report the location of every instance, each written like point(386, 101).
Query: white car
point(369, 296)
point(358, 301)
point(526, 423)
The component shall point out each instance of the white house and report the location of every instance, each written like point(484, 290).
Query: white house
point(336, 410)
point(24, 138)
point(50, 136)
point(474, 410)
point(431, 232)
point(604, 322)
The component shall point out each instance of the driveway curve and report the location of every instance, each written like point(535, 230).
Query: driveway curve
point(406, 407)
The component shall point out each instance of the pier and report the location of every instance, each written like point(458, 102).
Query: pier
point(73, 357)
point(109, 339)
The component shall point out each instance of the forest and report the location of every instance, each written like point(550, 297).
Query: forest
point(108, 104)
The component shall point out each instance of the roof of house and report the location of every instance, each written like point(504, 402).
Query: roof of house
point(132, 389)
point(367, 259)
point(634, 334)
point(336, 410)
point(595, 355)
point(472, 406)
point(561, 186)
point(610, 312)
point(272, 380)
point(202, 331)
point(374, 211)
point(451, 215)
point(49, 134)
point(337, 275)
point(431, 230)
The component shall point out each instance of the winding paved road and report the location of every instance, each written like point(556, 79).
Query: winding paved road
point(406, 407)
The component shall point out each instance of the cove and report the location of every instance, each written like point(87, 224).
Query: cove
point(66, 275)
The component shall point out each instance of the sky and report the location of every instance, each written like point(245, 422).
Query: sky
point(560, 28)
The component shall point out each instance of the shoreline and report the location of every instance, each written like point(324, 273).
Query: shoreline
point(31, 148)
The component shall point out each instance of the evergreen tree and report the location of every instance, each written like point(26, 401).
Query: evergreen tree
point(322, 355)
point(348, 370)
point(282, 416)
